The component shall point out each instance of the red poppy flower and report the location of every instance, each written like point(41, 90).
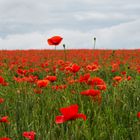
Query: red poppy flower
point(102, 87)
point(138, 115)
point(96, 81)
point(38, 91)
point(5, 84)
point(55, 40)
point(42, 83)
point(69, 113)
point(51, 78)
point(129, 78)
point(93, 67)
point(91, 92)
point(1, 80)
point(5, 138)
point(117, 78)
point(95, 94)
point(30, 135)
point(123, 72)
point(75, 68)
point(60, 87)
point(84, 78)
point(21, 71)
point(1, 100)
point(115, 67)
point(4, 119)
point(138, 69)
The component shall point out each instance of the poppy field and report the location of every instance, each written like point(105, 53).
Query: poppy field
point(70, 94)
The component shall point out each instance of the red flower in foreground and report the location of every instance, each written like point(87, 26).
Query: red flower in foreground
point(69, 113)
point(4, 119)
point(5, 138)
point(55, 40)
point(30, 135)
point(138, 115)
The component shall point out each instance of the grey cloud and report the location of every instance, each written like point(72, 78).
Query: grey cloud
point(125, 35)
point(84, 17)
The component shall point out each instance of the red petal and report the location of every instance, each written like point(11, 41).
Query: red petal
point(70, 111)
point(50, 42)
point(59, 119)
point(90, 92)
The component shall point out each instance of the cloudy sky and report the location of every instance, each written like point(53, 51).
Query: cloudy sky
point(27, 24)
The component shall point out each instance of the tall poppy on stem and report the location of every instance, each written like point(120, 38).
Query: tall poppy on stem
point(55, 40)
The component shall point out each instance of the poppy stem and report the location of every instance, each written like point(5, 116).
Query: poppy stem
point(65, 51)
point(94, 42)
point(94, 47)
